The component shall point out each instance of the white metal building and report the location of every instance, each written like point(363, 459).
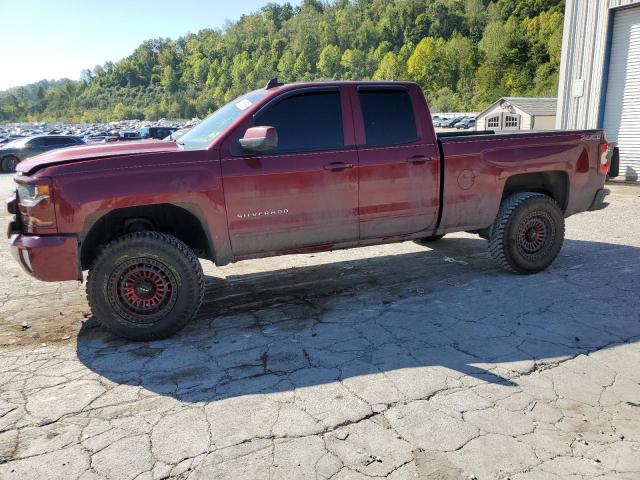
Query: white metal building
point(519, 113)
point(600, 74)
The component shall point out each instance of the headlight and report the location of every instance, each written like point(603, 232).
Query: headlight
point(35, 204)
point(31, 195)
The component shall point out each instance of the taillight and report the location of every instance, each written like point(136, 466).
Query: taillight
point(35, 204)
point(603, 165)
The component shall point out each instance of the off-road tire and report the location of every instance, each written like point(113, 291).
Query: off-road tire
point(9, 163)
point(527, 234)
point(145, 286)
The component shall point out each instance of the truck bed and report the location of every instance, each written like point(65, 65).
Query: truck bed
point(477, 164)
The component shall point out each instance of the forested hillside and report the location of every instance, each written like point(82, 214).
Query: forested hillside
point(464, 53)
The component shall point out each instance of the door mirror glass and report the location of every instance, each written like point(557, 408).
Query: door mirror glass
point(259, 139)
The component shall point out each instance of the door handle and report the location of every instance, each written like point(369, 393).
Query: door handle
point(335, 166)
point(419, 159)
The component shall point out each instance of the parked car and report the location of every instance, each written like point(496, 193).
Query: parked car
point(14, 152)
point(303, 171)
point(451, 122)
point(177, 134)
point(158, 133)
point(128, 136)
point(440, 121)
point(466, 123)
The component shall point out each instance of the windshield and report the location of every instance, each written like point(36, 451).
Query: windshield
point(201, 136)
point(176, 135)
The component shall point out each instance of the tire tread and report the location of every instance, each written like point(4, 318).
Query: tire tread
point(497, 242)
point(153, 236)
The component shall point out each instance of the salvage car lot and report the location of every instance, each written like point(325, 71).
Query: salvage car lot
point(402, 361)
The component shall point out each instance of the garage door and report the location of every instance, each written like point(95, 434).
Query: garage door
point(622, 111)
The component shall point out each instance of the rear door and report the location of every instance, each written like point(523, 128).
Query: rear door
point(51, 143)
point(305, 192)
point(398, 162)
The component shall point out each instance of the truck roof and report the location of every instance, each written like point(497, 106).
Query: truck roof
point(315, 83)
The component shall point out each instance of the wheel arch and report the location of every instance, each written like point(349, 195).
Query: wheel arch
point(553, 183)
point(184, 221)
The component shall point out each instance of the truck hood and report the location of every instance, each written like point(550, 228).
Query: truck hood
point(87, 152)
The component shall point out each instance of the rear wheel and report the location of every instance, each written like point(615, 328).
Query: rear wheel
point(9, 163)
point(528, 232)
point(145, 286)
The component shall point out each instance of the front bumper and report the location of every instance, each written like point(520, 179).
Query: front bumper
point(50, 258)
point(598, 200)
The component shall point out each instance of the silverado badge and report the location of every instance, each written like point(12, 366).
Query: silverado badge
point(265, 213)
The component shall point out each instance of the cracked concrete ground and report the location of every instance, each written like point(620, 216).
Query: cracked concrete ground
point(400, 361)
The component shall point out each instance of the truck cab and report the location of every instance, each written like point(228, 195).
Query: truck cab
point(354, 162)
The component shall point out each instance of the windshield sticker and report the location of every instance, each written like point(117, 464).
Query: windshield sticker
point(243, 104)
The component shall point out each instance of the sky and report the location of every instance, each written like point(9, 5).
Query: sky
point(57, 39)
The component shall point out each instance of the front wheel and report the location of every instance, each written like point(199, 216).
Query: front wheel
point(145, 286)
point(528, 232)
point(9, 163)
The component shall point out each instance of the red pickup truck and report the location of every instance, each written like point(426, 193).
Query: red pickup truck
point(288, 169)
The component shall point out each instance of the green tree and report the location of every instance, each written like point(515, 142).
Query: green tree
point(329, 62)
point(445, 100)
point(302, 68)
point(390, 68)
point(354, 64)
point(464, 54)
point(427, 64)
point(285, 66)
point(169, 80)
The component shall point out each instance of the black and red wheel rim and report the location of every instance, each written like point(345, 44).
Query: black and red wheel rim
point(536, 235)
point(142, 290)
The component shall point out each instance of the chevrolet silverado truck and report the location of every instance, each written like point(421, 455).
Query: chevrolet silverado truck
point(289, 169)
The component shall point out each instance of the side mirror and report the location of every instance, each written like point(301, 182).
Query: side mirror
point(259, 139)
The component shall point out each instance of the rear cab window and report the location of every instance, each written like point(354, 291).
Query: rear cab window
point(388, 116)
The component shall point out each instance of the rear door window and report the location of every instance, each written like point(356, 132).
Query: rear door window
point(305, 122)
point(388, 116)
point(55, 141)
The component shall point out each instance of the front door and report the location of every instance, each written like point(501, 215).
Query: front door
point(34, 147)
point(302, 194)
point(399, 169)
